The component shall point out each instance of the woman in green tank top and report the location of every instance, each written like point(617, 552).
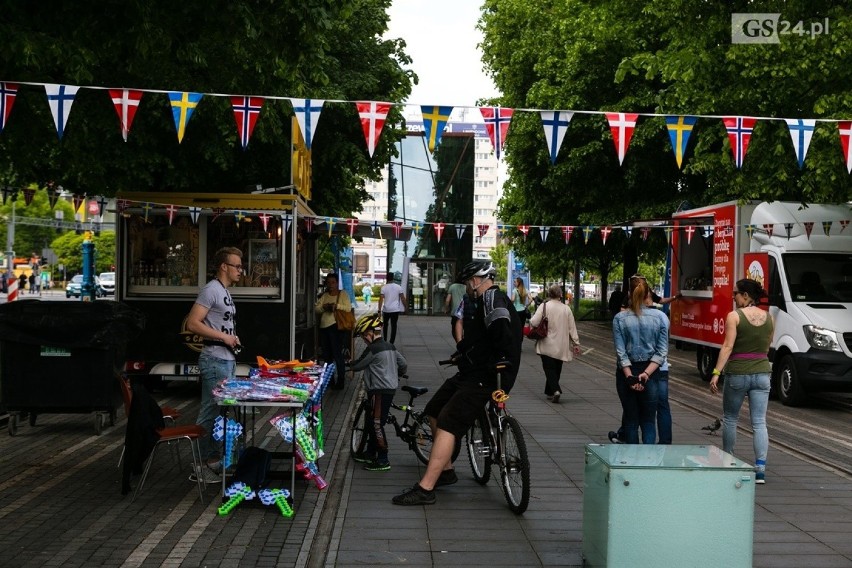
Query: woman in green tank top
point(743, 357)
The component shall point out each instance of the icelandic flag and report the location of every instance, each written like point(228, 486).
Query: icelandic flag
point(307, 113)
point(8, 92)
point(435, 120)
point(622, 125)
point(126, 102)
point(739, 134)
point(680, 127)
point(246, 112)
point(555, 124)
point(60, 98)
point(801, 132)
point(183, 105)
point(497, 124)
point(373, 116)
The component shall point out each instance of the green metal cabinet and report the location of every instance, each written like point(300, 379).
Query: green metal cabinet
point(654, 505)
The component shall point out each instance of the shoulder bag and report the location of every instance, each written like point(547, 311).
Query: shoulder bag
point(345, 318)
point(539, 331)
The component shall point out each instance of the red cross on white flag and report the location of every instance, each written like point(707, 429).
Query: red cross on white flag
point(645, 232)
point(373, 115)
point(524, 229)
point(622, 125)
point(843, 224)
point(809, 226)
point(769, 228)
point(172, 211)
point(845, 128)
point(352, 224)
point(264, 219)
point(126, 102)
point(566, 233)
point(605, 231)
point(309, 224)
point(482, 230)
point(397, 228)
point(497, 124)
point(690, 230)
point(439, 229)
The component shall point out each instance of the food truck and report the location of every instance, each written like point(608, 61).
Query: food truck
point(802, 256)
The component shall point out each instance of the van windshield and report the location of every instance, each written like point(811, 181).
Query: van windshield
point(819, 277)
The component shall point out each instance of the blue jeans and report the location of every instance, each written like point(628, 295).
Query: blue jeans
point(756, 386)
point(664, 412)
point(212, 371)
point(640, 408)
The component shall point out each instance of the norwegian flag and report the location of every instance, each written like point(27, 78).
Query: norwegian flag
point(555, 126)
point(460, 231)
point(483, 229)
point(543, 231)
point(587, 231)
point(809, 226)
point(121, 205)
point(8, 92)
point(126, 102)
point(171, 210)
point(621, 124)
point(397, 228)
point(194, 213)
point(645, 232)
point(28, 196)
point(605, 231)
point(845, 129)
point(769, 228)
point(739, 134)
point(524, 229)
point(689, 230)
point(264, 220)
point(246, 112)
point(439, 230)
point(801, 132)
point(307, 113)
point(217, 211)
point(352, 224)
point(60, 98)
point(373, 115)
point(566, 233)
point(497, 123)
point(309, 224)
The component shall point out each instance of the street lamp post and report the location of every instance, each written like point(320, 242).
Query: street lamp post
point(10, 238)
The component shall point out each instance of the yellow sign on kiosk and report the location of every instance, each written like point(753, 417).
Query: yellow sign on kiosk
point(300, 163)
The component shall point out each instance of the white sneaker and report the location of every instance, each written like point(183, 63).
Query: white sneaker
point(206, 474)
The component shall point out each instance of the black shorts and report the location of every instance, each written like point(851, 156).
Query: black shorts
point(457, 403)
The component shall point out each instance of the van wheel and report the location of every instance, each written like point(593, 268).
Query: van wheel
point(705, 358)
point(787, 383)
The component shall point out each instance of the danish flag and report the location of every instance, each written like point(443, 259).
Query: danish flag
point(352, 224)
point(497, 124)
point(690, 230)
point(622, 125)
point(482, 230)
point(439, 229)
point(246, 112)
point(524, 229)
point(373, 116)
point(809, 226)
point(172, 211)
point(264, 219)
point(605, 231)
point(566, 233)
point(126, 103)
point(739, 134)
point(397, 227)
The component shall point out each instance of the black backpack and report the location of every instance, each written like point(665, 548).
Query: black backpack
point(253, 467)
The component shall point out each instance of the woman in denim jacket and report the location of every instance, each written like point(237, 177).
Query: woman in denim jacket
point(641, 337)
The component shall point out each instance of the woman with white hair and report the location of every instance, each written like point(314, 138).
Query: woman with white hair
point(562, 342)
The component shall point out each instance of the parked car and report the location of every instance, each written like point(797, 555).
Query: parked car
point(107, 283)
point(76, 283)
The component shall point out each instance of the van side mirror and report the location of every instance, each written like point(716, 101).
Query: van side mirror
point(778, 300)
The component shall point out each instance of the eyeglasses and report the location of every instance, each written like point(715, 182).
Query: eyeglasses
point(237, 266)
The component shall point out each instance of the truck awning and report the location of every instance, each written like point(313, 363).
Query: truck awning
point(701, 220)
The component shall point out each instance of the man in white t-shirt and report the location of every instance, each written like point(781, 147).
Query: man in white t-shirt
point(392, 302)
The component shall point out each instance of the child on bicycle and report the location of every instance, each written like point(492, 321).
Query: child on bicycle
point(382, 365)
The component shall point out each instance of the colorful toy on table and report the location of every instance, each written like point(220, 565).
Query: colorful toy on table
point(283, 424)
point(304, 438)
point(238, 492)
point(276, 497)
point(275, 364)
point(309, 470)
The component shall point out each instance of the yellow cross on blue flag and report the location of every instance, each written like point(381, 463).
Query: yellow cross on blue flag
point(183, 104)
point(680, 127)
point(434, 121)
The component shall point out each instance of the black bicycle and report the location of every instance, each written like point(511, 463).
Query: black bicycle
point(496, 438)
point(414, 429)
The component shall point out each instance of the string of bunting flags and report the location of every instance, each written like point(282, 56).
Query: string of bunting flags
point(419, 228)
point(373, 115)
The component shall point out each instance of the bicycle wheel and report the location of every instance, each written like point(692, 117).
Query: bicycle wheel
point(514, 466)
point(479, 451)
point(421, 439)
point(358, 439)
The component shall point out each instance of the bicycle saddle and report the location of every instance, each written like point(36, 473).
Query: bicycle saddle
point(415, 391)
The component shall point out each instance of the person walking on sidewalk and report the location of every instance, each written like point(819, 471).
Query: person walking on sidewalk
point(213, 317)
point(382, 365)
point(391, 303)
point(562, 342)
point(743, 357)
point(491, 345)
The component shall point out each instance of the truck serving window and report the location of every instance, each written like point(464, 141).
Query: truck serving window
point(261, 264)
point(694, 257)
point(160, 254)
point(819, 277)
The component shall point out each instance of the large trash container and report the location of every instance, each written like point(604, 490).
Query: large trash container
point(61, 357)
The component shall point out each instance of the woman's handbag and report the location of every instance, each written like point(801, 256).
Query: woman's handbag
point(539, 331)
point(345, 318)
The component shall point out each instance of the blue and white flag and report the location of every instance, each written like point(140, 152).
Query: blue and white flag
point(60, 98)
point(801, 131)
point(307, 113)
point(555, 124)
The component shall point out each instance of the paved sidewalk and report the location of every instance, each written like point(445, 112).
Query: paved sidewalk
point(60, 502)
